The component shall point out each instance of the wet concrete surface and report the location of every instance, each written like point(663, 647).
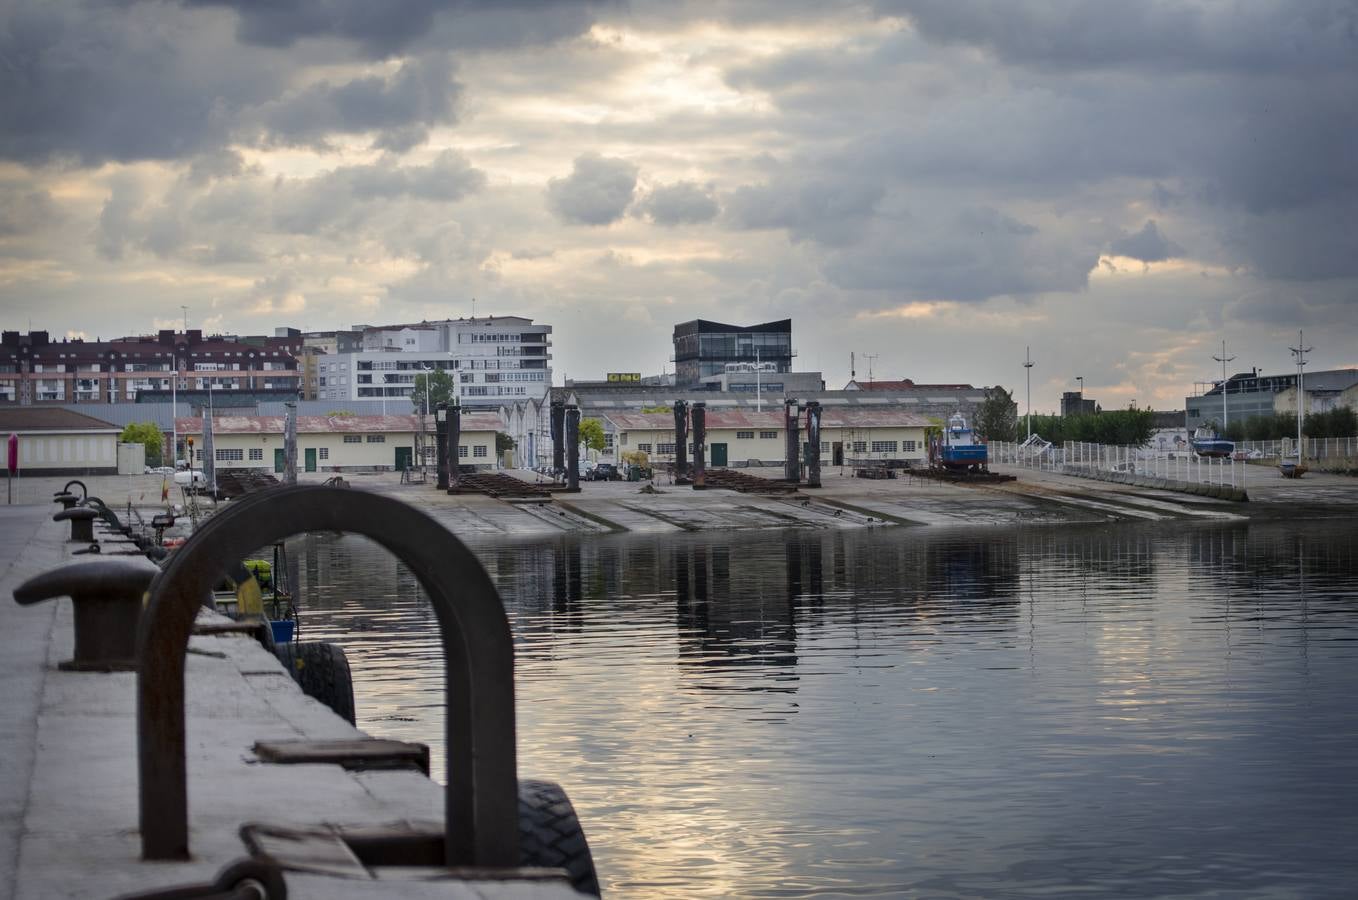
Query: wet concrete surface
point(1036, 497)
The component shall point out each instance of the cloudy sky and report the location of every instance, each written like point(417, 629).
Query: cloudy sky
point(932, 184)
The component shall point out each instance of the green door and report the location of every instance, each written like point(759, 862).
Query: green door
point(311, 459)
point(279, 460)
point(718, 455)
point(404, 458)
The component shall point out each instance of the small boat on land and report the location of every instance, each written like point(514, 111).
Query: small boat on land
point(1206, 442)
point(960, 450)
point(1292, 468)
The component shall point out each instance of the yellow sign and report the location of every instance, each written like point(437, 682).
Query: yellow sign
point(624, 376)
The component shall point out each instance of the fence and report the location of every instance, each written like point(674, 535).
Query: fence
point(1316, 448)
point(1093, 460)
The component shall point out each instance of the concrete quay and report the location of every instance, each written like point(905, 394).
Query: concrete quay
point(1036, 498)
point(68, 754)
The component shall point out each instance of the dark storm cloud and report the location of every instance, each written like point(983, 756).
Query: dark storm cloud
point(822, 207)
point(597, 192)
point(420, 94)
point(382, 29)
point(1248, 36)
point(1242, 112)
point(99, 83)
point(681, 203)
point(122, 81)
point(971, 255)
point(1147, 245)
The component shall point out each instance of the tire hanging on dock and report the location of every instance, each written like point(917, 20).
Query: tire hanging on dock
point(550, 834)
point(322, 670)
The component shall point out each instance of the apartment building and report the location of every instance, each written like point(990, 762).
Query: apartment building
point(493, 360)
point(35, 369)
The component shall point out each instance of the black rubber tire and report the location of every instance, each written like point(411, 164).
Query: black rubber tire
point(550, 834)
point(323, 672)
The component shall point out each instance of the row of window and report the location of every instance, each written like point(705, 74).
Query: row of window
point(856, 446)
point(235, 454)
point(358, 438)
point(763, 435)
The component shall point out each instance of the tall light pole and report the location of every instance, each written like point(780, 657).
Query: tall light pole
point(1300, 352)
point(1223, 359)
point(427, 378)
point(1028, 376)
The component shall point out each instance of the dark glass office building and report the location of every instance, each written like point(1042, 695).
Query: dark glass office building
point(703, 348)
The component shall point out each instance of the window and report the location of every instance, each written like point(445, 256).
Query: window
point(228, 454)
point(664, 448)
point(644, 448)
point(479, 450)
point(323, 453)
point(256, 453)
point(908, 446)
point(883, 446)
point(744, 435)
point(377, 439)
point(353, 439)
point(199, 454)
point(768, 435)
point(461, 449)
point(824, 446)
point(860, 446)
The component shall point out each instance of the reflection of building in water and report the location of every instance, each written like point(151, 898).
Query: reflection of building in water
point(735, 624)
point(1252, 559)
point(1114, 559)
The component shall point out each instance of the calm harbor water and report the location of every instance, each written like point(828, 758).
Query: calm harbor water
point(1120, 711)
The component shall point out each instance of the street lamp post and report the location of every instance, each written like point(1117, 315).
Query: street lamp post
point(427, 376)
point(1300, 352)
point(1028, 375)
point(1223, 359)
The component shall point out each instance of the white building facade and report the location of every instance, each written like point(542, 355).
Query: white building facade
point(494, 361)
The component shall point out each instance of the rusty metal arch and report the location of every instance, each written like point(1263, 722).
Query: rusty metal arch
point(480, 813)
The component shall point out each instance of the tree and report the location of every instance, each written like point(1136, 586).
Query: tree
point(503, 442)
point(592, 433)
point(148, 434)
point(441, 388)
point(997, 416)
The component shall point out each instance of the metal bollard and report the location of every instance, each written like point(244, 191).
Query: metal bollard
point(82, 523)
point(66, 500)
point(108, 600)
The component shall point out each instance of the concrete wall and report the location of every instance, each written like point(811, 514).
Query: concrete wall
point(68, 453)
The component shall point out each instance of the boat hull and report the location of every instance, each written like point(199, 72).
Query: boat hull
point(963, 457)
point(1215, 449)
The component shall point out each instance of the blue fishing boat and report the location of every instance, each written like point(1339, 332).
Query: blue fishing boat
point(959, 449)
point(1206, 442)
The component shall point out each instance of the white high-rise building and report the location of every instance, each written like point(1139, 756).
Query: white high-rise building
point(494, 360)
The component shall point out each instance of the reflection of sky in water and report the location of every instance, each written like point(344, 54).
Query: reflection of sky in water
point(1113, 710)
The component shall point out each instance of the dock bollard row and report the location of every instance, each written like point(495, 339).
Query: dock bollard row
point(107, 596)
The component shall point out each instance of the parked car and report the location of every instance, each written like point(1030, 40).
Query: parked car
point(604, 472)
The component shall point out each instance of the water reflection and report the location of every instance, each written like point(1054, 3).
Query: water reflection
point(1128, 711)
